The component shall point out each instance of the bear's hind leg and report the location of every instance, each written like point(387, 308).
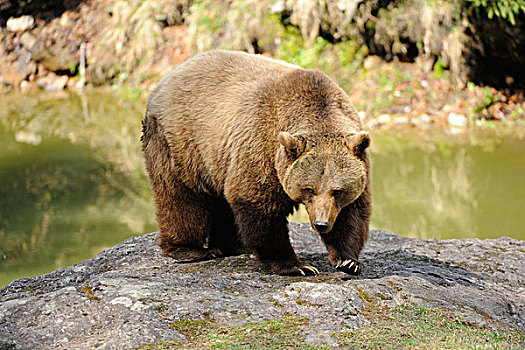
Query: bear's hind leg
point(185, 222)
point(183, 215)
point(224, 234)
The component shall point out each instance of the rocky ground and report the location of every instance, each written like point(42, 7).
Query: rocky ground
point(130, 295)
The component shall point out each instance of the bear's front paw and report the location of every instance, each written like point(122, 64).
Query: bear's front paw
point(349, 266)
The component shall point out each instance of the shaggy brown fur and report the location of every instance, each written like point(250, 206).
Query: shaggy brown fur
point(233, 142)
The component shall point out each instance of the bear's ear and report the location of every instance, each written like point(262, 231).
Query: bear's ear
point(293, 144)
point(357, 143)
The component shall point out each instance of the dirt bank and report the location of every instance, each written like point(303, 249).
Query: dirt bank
point(404, 63)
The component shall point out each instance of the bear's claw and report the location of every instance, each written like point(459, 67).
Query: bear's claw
point(349, 266)
point(308, 270)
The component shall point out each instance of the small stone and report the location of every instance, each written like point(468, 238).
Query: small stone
point(52, 82)
point(123, 301)
point(371, 62)
point(426, 63)
point(13, 73)
point(20, 24)
point(384, 119)
point(425, 118)
point(447, 108)
point(64, 20)
point(401, 109)
point(422, 119)
point(24, 85)
point(28, 137)
point(401, 120)
point(457, 120)
point(278, 7)
point(28, 40)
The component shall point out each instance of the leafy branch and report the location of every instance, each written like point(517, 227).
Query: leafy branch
point(506, 9)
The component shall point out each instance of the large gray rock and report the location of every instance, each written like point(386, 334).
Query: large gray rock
point(53, 58)
point(129, 294)
point(12, 73)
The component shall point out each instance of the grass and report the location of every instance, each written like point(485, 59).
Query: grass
point(416, 327)
point(282, 333)
point(404, 327)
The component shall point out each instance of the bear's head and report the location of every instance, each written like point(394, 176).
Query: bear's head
point(325, 173)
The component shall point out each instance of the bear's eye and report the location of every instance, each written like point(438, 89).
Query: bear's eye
point(308, 190)
point(337, 193)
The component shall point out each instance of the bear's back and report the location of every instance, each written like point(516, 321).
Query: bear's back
point(207, 109)
point(222, 110)
point(215, 79)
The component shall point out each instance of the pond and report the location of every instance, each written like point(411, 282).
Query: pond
point(72, 180)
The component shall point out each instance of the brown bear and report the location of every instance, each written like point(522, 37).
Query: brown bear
point(234, 142)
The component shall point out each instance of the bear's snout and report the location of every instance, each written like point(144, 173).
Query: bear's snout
point(322, 211)
point(321, 226)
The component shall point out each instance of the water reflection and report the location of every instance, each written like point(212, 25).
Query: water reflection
point(72, 181)
point(451, 187)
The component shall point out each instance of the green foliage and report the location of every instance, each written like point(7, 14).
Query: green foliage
point(294, 51)
point(208, 16)
point(232, 25)
point(72, 67)
point(439, 68)
point(244, 25)
point(341, 61)
point(390, 82)
point(506, 9)
point(129, 92)
point(487, 100)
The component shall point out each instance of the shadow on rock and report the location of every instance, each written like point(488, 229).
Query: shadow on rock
point(400, 262)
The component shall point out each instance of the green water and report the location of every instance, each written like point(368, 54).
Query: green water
point(72, 181)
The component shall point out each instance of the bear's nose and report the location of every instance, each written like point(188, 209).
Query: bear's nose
point(321, 226)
